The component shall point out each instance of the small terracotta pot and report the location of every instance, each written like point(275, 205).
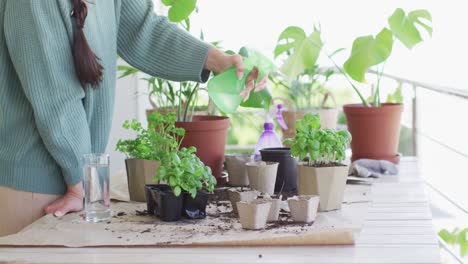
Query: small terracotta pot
point(275, 208)
point(235, 166)
point(254, 214)
point(262, 176)
point(327, 182)
point(375, 131)
point(304, 208)
point(236, 196)
point(139, 173)
point(208, 134)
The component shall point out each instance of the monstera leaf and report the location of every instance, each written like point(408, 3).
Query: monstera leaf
point(304, 50)
point(225, 88)
point(368, 51)
point(404, 26)
point(179, 10)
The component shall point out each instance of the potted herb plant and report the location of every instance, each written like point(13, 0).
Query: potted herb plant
point(324, 149)
point(303, 79)
point(146, 151)
point(188, 181)
point(375, 126)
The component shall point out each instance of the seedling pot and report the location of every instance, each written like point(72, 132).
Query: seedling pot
point(195, 208)
point(327, 182)
point(275, 207)
point(287, 168)
point(208, 134)
point(304, 208)
point(328, 117)
point(235, 166)
point(236, 195)
point(254, 214)
point(167, 206)
point(139, 173)
point(150, 205)
point(375, 131)
point(262, 176)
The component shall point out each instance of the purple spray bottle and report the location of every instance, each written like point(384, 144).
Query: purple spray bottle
point(269, 138)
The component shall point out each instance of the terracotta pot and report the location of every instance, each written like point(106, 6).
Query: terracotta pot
point(235, 166)
point(375, 131)
point(304, 208)
point(208, 134)
point(262, 176)
point(254, 214)
point(327, 182)
point(236, 195)
point(139, 173)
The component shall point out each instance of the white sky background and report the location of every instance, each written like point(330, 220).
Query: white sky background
point(258, 23)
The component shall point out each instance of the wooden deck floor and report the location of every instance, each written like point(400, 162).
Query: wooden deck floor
point(398, 229)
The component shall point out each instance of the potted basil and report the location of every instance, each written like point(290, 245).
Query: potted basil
point(322, 174)
point(146, 151)
point(188, 183)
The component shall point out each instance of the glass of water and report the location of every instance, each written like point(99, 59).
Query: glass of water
point(96, 187)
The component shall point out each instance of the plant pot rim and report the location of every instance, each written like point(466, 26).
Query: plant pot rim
point(276, 150)
point(360, 109)
point(257, 163)
point(254, 202)
point(303, 197)
point(304, 164)
point(205, 123)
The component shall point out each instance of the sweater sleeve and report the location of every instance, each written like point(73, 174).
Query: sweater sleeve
point(40, 50)
point(157, 47)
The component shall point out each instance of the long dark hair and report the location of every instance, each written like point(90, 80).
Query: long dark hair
point(87, 66)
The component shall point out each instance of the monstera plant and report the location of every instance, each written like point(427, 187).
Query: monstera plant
point(375, 126)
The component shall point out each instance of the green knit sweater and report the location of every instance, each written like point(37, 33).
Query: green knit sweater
point(47, 120)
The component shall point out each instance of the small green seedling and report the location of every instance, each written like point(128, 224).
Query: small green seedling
point(183, 170)
point(322, 147)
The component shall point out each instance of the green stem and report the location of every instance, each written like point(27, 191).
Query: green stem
point(363, 100)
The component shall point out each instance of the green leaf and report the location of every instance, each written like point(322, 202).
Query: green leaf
point(368, 51)
point(180, 9)
point(177, 190)
point(404, 27)
point(260, 99)
point(396, 96)
point(293, 37)
point(167, 2)
point(305, 55)
point(126, 71)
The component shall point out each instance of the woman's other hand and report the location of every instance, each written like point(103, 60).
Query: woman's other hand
point(72, 201)
point(218, 61)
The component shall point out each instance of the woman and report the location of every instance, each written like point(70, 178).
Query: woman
point(57, 83)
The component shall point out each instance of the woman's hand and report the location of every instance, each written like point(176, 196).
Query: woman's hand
point(72, 201)
point(219, 62)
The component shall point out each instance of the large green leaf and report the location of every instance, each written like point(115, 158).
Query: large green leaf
point(180, 9)
point(304, 50)
point(225, 88)
point(404, 26)
point(368, 51)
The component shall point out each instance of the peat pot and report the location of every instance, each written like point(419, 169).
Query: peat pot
point(327, 182)
point(304, 208)
point(287, 168)
point(195, 208)
point(254, 214)
point(235, 166)
point(167, 206)
point(208, 134)
point(139, 173)
point(241, 195)
point(262, 176)
point(375, 131)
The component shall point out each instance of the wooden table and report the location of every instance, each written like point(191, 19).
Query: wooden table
point(398, 229)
